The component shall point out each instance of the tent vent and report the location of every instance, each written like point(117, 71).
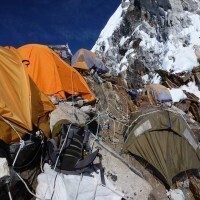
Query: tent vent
point(142, 128)
point(190, 139)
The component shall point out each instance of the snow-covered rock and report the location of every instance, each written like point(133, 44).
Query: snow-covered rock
point(192, 88)
point(142, 36)
point(88, 109)
point(177, 94)
point(4, 169)
point(176, 194)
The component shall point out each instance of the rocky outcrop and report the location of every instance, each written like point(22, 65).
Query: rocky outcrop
point(195, 187)
point(122, 176)
point(150, 35)
point(65, 111)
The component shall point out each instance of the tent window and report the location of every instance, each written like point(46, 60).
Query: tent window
point(190, 139)
point(142, 128)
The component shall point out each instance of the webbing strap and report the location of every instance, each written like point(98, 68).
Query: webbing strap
point(169, 123)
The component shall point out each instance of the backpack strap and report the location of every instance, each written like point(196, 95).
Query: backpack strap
point(87, 161)
point(52, 150)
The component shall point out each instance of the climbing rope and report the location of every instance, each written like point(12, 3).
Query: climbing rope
point(79, 186)
point(28, 188)
point(22, 143)
point(12, 126)
point(62, 146)
point(114, 140)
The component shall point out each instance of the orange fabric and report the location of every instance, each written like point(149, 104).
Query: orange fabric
point(41, 107)
point(19, 104)
point(81, 63)
point(15, 91)
point(52, 75)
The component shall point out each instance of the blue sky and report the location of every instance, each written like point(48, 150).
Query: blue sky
point(77, 22)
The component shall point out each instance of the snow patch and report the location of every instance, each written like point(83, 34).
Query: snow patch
point(123, 40)
point(145, 78)
point(177, 94)
point(108, 30)
point(113, 23)
point(149, 43)
point(185, 59)
point(156, 79)
point(176, 194)
point(192, 88)
point(181, 57)
point(124, 62)
point(174, 55)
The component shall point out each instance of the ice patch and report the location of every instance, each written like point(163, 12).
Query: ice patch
point(192, 88)
point(156, 79)
point(123, 40)
point(124, 62)
point(177, 94)
point(145, 78)
point(185, 59)
point(150, 44)
point(176, 194)
point(179, 57)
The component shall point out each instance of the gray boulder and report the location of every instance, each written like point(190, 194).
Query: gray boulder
point(65, 111)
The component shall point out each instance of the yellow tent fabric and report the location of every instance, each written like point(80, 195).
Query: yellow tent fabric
point(21, 103)
point(52, 75)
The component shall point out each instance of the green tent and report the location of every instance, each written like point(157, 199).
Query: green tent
point(164, 140)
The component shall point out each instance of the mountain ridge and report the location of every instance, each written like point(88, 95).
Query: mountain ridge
point(143, 36)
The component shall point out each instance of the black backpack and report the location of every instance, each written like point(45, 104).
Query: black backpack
point(73, 153)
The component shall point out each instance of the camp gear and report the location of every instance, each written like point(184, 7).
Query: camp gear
point(4, 172)
point(24, 157)
point(165, 141)
point(58, 186)
point(85, 60)
point(52, 75)
point(22, 105)
point(29, 154)
point(71, 158)
point(158, 94)
point(132, 93)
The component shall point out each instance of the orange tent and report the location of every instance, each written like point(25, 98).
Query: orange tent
point(21, 103)
point(52, 75)
point(84, 59)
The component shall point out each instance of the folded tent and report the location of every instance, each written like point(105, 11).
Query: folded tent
point(84, 59)
point(21, 102)
point(52, 75)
